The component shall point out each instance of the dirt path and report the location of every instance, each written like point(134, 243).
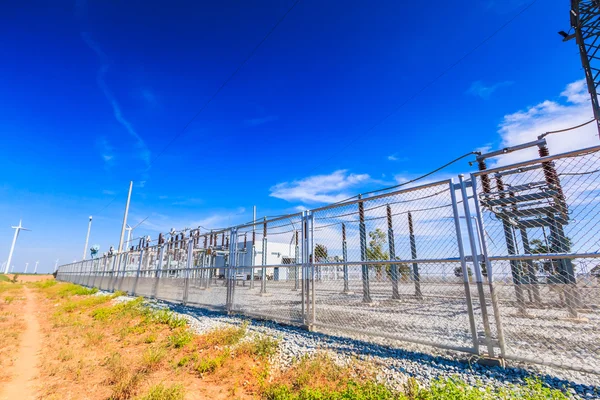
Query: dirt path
point(22, 384)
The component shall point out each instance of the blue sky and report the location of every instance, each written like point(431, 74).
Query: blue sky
point(92, 92)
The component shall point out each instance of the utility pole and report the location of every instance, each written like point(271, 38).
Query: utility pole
point(125, 218)
point(35, 269)
point(17, 229)
point(87, 238)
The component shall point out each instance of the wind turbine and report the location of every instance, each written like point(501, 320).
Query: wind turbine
point(129, 230)
point(56, 265)
point(35, 269)
point(17, 229)
point(26, 266)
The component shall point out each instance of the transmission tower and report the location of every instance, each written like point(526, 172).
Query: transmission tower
point(585, 22)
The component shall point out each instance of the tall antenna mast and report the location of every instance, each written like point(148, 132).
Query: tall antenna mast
point(585, 21)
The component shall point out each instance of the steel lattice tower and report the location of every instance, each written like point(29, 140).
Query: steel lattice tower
point(585, 20)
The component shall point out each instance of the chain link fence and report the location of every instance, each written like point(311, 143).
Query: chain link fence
point(503, 264)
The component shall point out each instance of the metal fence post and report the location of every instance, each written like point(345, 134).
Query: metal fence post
point(263, 275)
point(158, 274)
point(463, 265)
point(313, 283)
point(345, 257)
point(413, 253)
point(188, 267)
point(138, 271)
point(476, 266)
point(296, 261)
point(363, 252)
point(231, 271)
point(489, 269)
point(303, 270)
point(392, 251)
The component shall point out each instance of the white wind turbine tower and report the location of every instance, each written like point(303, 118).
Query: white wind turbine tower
point(35, 269)
point(17, 229)
point(26, 266)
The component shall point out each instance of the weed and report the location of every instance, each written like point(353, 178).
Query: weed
point(45, 284)
point(211, 364)
point(152, 357)
point(14, 278)
point(180, 338)
point(226, 336)
point(183, 361)
point(151, 338)
point(9, 299)
point(162, 392)
point(65, 355)
point(261, 345)
point(165, 317)
point(126, 385)
point(94, 338)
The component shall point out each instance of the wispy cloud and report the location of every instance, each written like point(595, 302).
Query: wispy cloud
point(188, 201)
point(260, 121)
point(320, 188)
point(108, 192)
point(479, 89)
point(142, 149)
point(396, 157)
point(106, 152)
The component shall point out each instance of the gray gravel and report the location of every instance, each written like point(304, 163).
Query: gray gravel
point(396, 364)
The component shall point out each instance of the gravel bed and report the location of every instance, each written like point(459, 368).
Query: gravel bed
point(396, 364)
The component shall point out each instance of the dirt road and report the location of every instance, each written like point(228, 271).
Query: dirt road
point(22, 383)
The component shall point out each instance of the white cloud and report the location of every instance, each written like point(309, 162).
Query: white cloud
point(140, 144)
point(108, 192)
point(392, 158)
point(319, 188)
point(479, 89)
point(149, 97)
point(526, 125)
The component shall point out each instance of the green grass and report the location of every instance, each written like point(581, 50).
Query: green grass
point(180, 338)
point(48, 283)
point(210, 364)
point(71, 289)
point(260, 345)
point(162, 392)
point(226, 336)
point(4, 278)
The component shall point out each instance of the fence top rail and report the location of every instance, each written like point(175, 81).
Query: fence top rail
point(568, 154)
point(260, 222)
point(383, 195)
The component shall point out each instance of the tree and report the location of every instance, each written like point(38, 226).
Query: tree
point(320, 252)
point(375, 250)
point(550, 267)
point(459, 273)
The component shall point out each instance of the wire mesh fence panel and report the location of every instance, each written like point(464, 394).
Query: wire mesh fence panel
point(282, 302)
point(541, 227)
point(145, 280)
point(171, 285)
point(420, 296)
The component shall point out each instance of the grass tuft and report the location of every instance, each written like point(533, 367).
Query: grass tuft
point(162, 392)
point(180, 338)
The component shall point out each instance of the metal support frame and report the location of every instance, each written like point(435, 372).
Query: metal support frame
point(585, 20)
point(345, 257)
point(263, 270)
